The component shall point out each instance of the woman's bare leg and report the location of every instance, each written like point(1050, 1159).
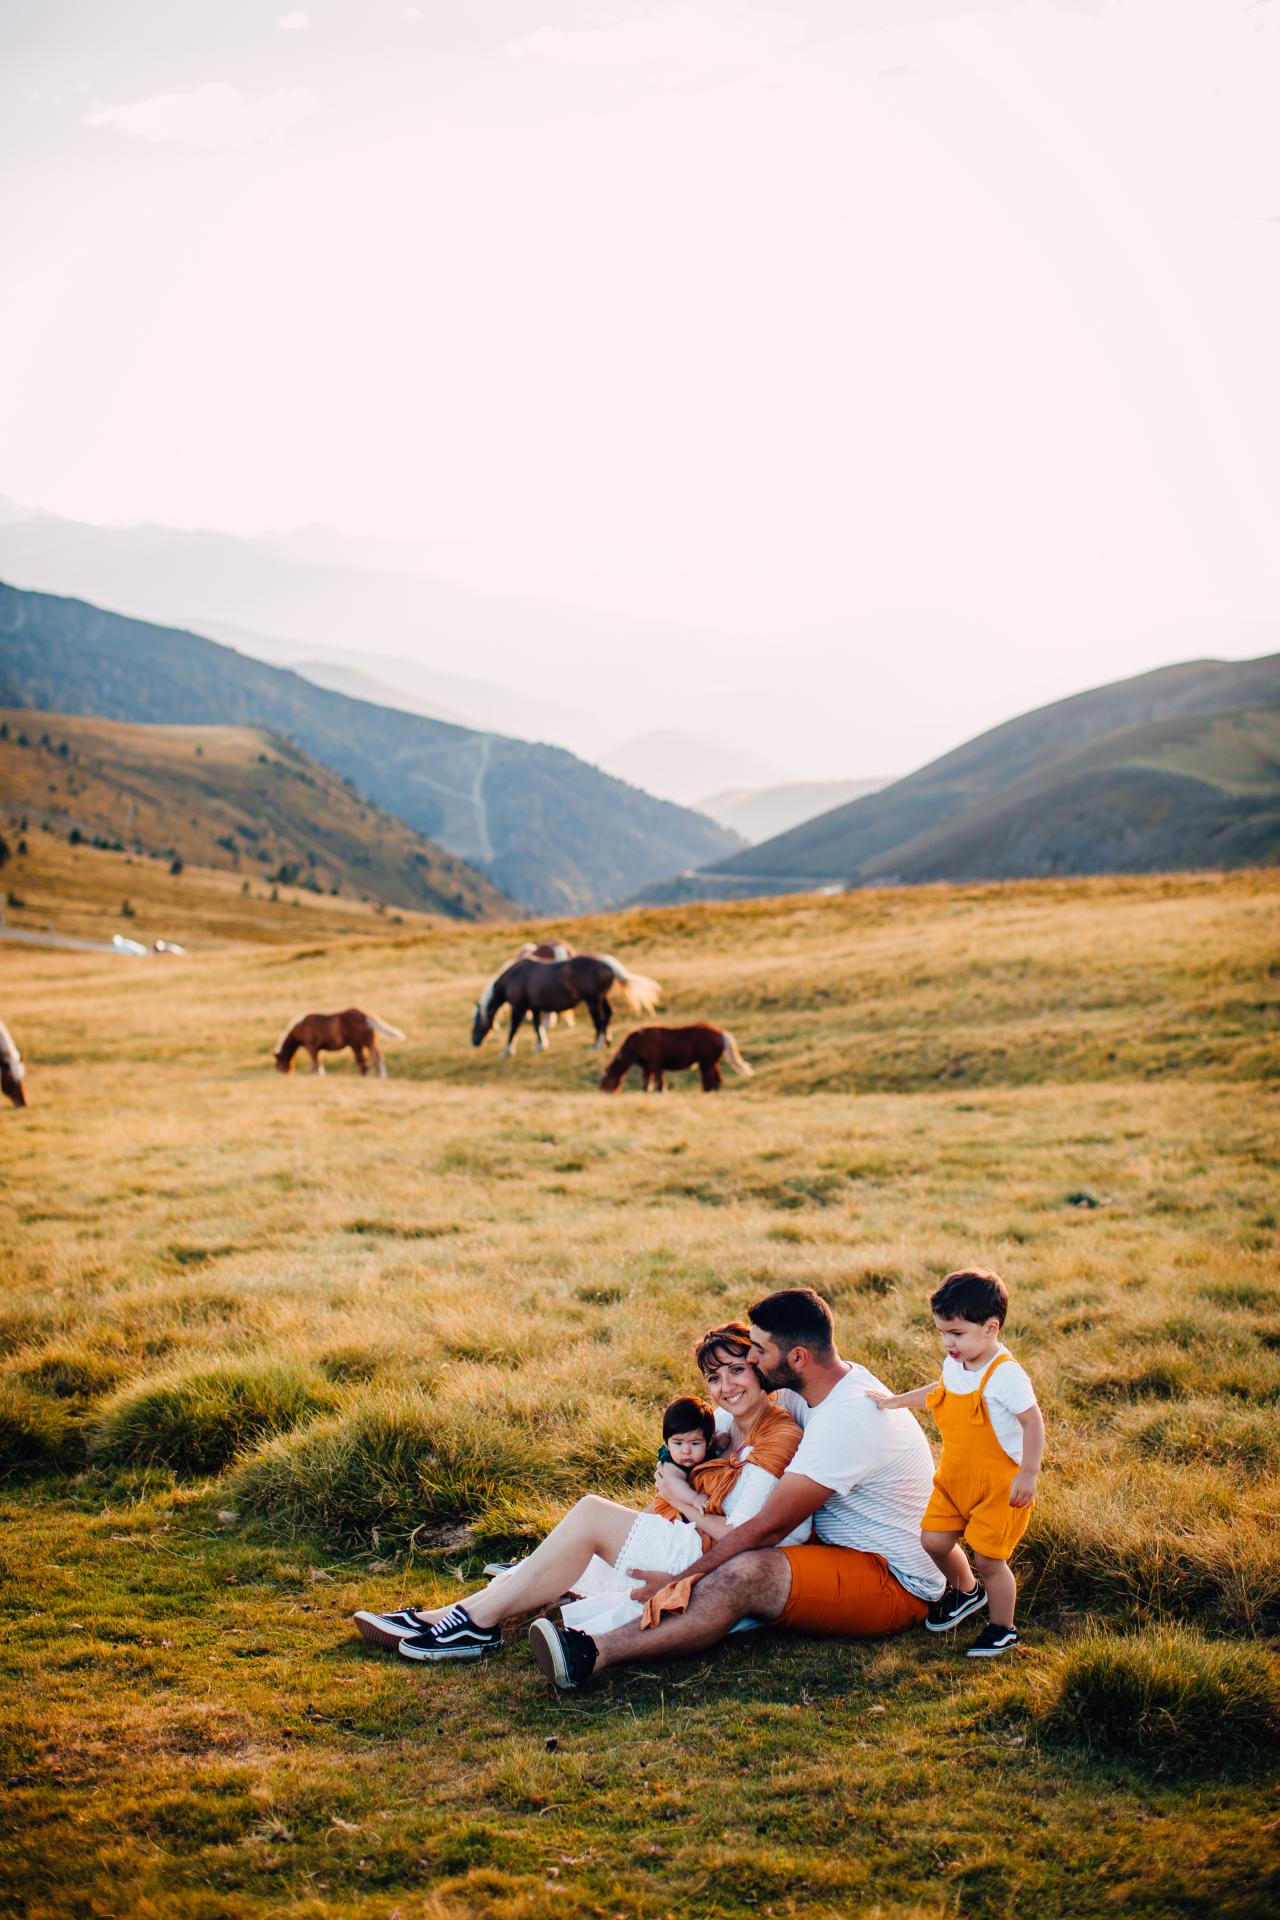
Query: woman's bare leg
point(595, 1525)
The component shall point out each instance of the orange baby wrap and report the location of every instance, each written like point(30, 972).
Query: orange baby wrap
point(774, 1439)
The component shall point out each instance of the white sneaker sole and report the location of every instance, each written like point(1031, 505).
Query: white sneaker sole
point(380, 1631)
point(442, 1653)
point(549, 1654)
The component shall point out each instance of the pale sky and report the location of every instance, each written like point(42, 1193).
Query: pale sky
point(916, 357)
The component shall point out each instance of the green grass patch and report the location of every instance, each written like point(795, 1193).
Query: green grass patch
point(196, 1421)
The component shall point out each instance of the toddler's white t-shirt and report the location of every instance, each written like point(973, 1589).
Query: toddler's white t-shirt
point(1009, 1393)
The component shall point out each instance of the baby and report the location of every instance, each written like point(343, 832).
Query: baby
point(992, 1445)
point(688, 1432)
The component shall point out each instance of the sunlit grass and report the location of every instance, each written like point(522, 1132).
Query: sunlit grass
point(462, 1295)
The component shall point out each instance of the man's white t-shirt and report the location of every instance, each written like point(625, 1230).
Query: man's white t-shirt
point(1009, 1393)
point(880, 1472)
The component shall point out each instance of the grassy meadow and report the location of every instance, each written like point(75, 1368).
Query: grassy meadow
point(272, 1348)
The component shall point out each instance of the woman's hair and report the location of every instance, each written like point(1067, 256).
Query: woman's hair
point(734, 1339)
point(687, 1414)
point(971, 1294)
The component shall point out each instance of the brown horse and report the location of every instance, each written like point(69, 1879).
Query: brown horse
point(329, 1032)
point(658, 1051)
point(540, 987)
point(550, 950)
point(13, 1074)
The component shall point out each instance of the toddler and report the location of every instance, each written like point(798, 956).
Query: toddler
point(992, 1445)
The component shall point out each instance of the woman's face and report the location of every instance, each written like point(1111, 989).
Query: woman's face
point(734, 1384)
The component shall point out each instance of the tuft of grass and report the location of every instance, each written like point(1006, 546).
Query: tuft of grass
point(1167, 1694)
point(198, 1419)
point(397, 1460)
point(37, 1435)
point(71, 1373)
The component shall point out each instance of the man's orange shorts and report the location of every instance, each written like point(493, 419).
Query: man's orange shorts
point(840, 1590)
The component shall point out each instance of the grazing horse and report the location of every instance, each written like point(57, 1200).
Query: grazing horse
point(658, 1051)
point(540, 987)
point(330, 1032)
point(549, 950)
point(13, 1073)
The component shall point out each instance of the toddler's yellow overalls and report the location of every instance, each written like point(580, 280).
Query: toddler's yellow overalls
point(971, 1487)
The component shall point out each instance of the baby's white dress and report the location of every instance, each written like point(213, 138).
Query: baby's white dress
point(661, 1546)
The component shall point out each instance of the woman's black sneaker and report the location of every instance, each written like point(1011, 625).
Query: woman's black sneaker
point(954, 1607)
point(389, 1629)
point(565, 1656)
point(993, 1640)
point(453, 1637)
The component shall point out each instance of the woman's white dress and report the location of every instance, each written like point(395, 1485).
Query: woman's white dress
point(666, 1546)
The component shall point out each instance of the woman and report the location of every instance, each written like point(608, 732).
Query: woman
point(599, 1531)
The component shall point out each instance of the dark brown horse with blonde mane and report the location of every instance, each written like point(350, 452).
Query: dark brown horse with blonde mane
point(550, 950)
point(539, 987)
point(319, 1033)
point(13, 1074)
point(658, 1051)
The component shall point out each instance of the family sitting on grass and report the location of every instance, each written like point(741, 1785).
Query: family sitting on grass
point(823, 1515)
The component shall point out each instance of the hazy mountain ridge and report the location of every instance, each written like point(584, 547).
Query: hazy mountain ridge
point(1176, 768)
point(762, 813)
point(239, 798)
point(548, 829)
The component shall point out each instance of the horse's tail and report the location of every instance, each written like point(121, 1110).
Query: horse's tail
point(638, 990)
point(732, 1055)
point(384, 1026)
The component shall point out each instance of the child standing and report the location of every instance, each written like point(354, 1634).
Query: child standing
point(992, 1445)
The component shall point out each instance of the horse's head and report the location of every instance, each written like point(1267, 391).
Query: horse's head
point(283, 1061)
point(13, 1073)
point(486, 1012)
point(610, 1079)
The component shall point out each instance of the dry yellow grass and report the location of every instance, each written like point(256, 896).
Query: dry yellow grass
point(1073, 1083)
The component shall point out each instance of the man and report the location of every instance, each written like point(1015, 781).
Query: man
point(865, 1477)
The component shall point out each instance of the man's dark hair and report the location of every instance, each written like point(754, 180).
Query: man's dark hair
point(687, 1414)
point(796, 1317)
point(971, 1294)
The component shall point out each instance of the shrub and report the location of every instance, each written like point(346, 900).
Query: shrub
point(36, 1435)
point(1168, 1694)
point(197, 1421)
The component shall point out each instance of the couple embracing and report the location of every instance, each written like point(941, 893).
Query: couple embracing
point(809, 1523)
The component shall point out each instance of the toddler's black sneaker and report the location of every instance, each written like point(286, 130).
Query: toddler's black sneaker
point(954, 1607)
point(565, 1657)
point(993, 1640)
point(453, 1637)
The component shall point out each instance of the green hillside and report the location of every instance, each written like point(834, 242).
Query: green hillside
point(549, 830)
point(1178, 768)
point(231, 797)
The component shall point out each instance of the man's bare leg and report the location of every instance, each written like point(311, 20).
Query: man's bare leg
point(756, 1584)
point(594, 1525)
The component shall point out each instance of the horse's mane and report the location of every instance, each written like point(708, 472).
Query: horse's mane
point(9, 1053)
point(288, 1030)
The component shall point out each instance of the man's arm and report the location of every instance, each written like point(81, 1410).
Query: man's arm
point(793, 1499)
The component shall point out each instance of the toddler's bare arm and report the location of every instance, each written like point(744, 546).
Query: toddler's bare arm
point(918, 1397)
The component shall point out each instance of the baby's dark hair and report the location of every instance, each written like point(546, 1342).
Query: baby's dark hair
point(971, 1294)
point(683, 1415)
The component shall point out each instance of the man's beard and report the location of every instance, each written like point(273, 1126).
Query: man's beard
point(780, 1376)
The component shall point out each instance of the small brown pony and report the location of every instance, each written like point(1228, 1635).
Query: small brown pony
point(13, 1073)
point(658, 1051)
point(330, 1032)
